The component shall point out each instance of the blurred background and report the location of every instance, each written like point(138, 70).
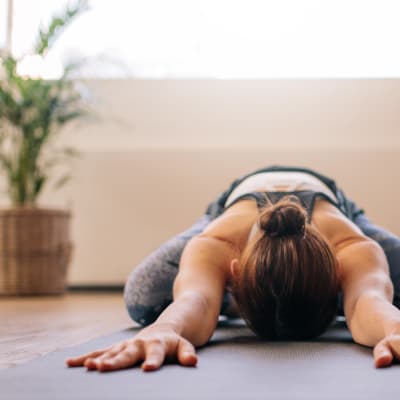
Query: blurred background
point(185, 96)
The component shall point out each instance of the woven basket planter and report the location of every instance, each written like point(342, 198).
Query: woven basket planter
point(35, 251)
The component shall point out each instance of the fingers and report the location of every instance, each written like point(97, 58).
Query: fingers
point(155, 355)
point(387, 351)
point(151, 348)
point(127, 357)
point(152, 352)
point(186, 353)
point(80, 360)
point(95, 362)
point(383, 355)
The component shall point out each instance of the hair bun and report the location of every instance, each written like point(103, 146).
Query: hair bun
point(286, 217)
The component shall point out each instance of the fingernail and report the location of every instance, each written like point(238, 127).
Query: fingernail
point(188, 354)
point(147, 367)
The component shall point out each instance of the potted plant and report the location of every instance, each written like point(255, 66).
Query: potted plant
point(35, 245)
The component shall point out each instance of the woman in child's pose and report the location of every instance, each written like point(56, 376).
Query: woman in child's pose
point(284, 249)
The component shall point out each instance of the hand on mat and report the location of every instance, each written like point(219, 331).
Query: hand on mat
point(387, 351)
point(152, 345)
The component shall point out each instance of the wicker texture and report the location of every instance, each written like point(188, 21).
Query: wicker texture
point(35, 251)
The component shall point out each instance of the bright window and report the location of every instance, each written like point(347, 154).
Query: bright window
point(3, 23)
point(224, 38)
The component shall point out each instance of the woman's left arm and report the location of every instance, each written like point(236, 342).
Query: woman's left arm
point(368, 294)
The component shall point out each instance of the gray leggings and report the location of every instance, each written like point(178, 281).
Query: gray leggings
point(148, 290)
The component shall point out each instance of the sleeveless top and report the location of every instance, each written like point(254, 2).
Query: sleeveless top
point(340, 200)
point(304, 187)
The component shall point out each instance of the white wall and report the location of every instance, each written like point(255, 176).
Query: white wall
point(219, 113)
point(159, 151)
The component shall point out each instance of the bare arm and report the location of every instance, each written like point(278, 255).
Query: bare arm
point(202, 278)
point(188, 321)
point(367, 288)
point(203, 273)
point(368, 294)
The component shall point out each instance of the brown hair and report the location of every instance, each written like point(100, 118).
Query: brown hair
point(288, 285)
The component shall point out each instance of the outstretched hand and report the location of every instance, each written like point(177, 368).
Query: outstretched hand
point(151, 346)
point(387, 351)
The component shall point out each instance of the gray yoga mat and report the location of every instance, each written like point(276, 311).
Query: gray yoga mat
point(234, 365)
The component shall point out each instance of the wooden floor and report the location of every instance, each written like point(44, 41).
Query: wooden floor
point(33, 326)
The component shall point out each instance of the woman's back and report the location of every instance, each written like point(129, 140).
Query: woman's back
point(237, 225)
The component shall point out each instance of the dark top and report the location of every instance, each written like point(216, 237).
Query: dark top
point(346, 205)
point(306, 198)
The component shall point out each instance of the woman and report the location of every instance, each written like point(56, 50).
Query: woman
point(283, 248)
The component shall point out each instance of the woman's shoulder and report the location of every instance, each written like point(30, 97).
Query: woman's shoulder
point(234, 224)
point(337, 229)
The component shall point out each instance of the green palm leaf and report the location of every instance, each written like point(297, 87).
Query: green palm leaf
point(32, 111)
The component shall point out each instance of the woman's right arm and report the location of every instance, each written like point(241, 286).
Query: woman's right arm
point(188, 321)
